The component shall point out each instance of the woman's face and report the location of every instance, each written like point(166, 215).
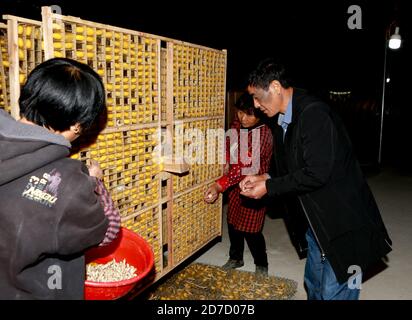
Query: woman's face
point(247, 120)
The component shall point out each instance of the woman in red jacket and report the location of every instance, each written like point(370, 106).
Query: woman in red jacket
point(245, 217)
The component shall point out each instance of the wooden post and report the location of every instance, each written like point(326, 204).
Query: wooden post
point(224, 142)
point(21, 66)
point(14, 73)
point(159, 135)
point(170, 130)
point(3, 75)
point(47, 32)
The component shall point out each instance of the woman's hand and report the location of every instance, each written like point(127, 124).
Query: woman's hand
point(212, 193)
point(248, 181)
point(95, 170)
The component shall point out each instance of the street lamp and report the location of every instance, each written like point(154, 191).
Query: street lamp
point(395, 40)
point(393, 43)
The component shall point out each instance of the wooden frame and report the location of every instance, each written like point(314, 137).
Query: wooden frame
point(4, 69)
point(22, 58)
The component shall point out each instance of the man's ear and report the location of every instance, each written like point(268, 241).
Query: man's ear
point(275, 86)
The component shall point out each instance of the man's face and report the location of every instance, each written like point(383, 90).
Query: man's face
point(266, 100)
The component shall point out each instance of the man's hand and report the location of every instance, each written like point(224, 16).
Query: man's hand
point(248, 180)
point(212, 193)
point(255, 190)
point(95, 170)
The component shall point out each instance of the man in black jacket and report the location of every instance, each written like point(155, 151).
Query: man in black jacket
point(346, 233)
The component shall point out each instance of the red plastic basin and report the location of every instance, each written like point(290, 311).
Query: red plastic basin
point(128, 245)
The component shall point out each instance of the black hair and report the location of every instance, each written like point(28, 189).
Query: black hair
point(267, 71)
point(61, 92)
point(245, 103)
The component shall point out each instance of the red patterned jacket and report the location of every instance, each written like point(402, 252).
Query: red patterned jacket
point(246, 214)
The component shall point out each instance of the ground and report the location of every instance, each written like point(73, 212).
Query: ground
point(393, 193)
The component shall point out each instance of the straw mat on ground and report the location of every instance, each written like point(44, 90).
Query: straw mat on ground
point(205, 282)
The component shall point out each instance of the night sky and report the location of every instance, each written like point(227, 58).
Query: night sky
point(311, 37)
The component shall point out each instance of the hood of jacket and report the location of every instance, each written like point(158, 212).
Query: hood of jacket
point(25, 148)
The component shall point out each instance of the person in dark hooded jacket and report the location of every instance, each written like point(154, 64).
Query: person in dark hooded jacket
point(51, 210)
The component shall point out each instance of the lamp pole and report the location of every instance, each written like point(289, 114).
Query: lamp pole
point(383, 102)
point(394, 43)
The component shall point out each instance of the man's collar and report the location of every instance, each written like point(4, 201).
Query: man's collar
point(286, 117)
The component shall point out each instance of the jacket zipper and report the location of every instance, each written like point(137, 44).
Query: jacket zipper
point(388, 243)
point(323, 255)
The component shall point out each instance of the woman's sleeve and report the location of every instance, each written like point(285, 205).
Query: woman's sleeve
point(110, 211)
point(265, 146)
point(233, 177)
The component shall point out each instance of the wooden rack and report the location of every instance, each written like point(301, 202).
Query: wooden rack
point(154, 85)
point(25, 53)
point(4, 69)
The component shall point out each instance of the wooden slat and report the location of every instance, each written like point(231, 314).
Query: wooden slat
point(224, 126)
point(186, 120)
point(21, 66)
point(159, 121)
point(189, 190)
point(47, 32)
point(169, 129)
point(22, 20)
point(4, 76)
point(173, 167)
point(131, 127)
point(159, 85)
point(134, 215)
point(169, 85)
point(14, 67)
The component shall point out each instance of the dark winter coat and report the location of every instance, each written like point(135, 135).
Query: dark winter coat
point(49, 214)
point(317, 167)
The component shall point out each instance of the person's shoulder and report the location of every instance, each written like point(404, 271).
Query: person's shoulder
point(74, 174)
point(265, 129)
point(305, 97)
point(266, 135)
point(307, 102)
point(72, 166)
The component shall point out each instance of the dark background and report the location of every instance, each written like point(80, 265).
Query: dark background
point(313, 40)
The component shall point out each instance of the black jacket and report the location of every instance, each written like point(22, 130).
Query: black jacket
point(317, 166)
point(49, 214)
